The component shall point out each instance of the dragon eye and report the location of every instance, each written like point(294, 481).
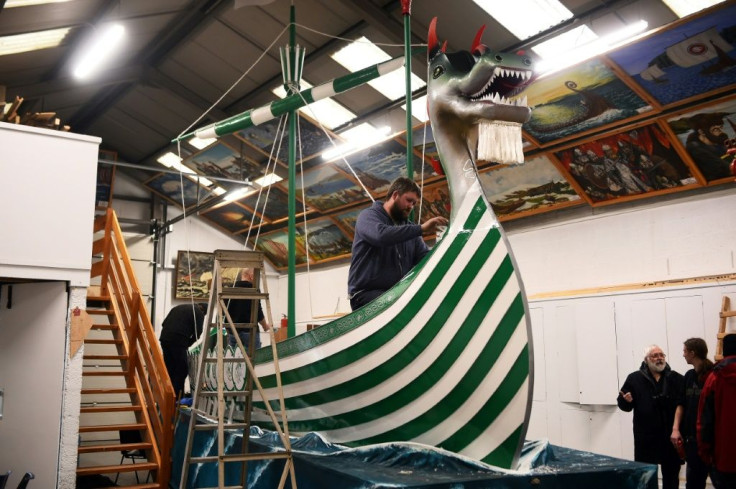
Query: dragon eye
point(527, 61)
point(499, 57)
point(438, 71)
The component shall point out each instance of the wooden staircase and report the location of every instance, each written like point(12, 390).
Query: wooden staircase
point(125, 386)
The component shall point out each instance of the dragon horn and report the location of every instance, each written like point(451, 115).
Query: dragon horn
point(476, 41)
point(432, 43)
point(444, 46)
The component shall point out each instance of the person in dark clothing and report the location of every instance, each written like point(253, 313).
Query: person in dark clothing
point(684, 429)
point(652, 392)
point(240, 311)
point(181, 327)
point(717, 419)
point(387, 245)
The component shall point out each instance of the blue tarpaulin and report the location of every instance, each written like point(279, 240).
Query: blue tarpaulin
point(319, 464)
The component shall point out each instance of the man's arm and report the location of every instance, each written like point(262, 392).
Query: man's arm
point(676, 437)
point(625, 398)
point(378, 233)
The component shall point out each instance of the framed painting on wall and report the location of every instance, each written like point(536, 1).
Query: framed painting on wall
point(691, 59)
point(520, 190)
point(224, 160)
point(231, 217)
point(275, 246)
point(326, 240)
point(105, 179)
point(705, 134)
point(380, 164)
point(326, 188)
point(273, 204)
point(169, 186)
point(579, 99)
point(435, 202)
point(348, 219)
point(635, 162)
point(193, 273)
point(312, 139)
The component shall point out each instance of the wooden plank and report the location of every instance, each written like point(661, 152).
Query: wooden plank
point(116, 447)
point(112, 469)
point(112, 427)
point(109, 409)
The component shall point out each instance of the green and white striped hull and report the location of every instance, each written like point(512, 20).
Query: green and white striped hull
point(443, 358)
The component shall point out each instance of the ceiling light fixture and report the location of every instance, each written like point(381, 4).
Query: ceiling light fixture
point(538, 15)
point(236, 194)
point(362, 53)
point(327, 111)
point(356, 138)
point(99, 50)
point(596, 47)
point(683, 8)
point(32, 41)
point(201, 143)
point(267, 180)
point(28, 3)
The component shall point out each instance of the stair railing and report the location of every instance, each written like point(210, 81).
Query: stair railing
point(146, 369)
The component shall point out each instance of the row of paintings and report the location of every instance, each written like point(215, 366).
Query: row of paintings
point(620, 127)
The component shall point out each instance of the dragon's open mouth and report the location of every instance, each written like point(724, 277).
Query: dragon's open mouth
point(504, 84)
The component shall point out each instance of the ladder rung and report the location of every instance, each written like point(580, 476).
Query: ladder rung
point(226, 360)
point(241, 293)
point(105, 357)
point(106, 390)
point(104, 327)
point(98, 298)
point(100, 312)
point(112, 427)
point(254, 456)
point(728, 314)
point(212, 427)
point(108, 409)
point(226, 394)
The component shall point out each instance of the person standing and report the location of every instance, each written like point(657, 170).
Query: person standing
point(652, 392)
point(684, 429)
point(240, 311)
point(387, 245)
point(181, 327)
point(717, 419)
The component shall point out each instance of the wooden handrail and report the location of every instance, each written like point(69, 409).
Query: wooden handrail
point(146, 363)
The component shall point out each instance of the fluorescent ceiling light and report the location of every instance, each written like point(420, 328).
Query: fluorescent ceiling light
point(567, 41)
point(99, 50)
point(201, 143)
point(419, 108)
point(330, 113)
point(683, 8)
point(218, 191)
point(525, 18)
point(238, 193)
point(267, 180)
point(27, 3)
point(363, 53)
point(356, 138)
point(594, 48)
point(31, 41)
point(170, 160)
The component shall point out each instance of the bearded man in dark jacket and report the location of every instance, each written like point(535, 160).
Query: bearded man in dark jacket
point(652, 392)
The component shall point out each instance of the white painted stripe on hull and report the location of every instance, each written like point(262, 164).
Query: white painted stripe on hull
point(422, 361)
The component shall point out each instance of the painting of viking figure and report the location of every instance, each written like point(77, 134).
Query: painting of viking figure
point(638, 161)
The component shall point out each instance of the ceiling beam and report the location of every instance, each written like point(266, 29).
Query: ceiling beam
point(62, 84)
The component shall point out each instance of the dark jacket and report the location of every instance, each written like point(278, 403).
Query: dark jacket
point(383, 251)
point(183, 325)
point(689, 402)
point(717, 417)
point(654, 404)
point(239, 309)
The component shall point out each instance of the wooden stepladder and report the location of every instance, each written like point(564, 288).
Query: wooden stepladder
point(210, 404)
point(725, 313)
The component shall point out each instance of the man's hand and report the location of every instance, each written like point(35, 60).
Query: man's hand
point(627, 396)
point(676, 437)
point(430, 226)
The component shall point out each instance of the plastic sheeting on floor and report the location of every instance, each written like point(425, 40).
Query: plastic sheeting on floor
point(321, 465)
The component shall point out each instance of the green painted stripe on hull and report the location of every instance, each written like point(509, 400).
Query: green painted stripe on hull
point(303, 342)
point(396, 324)
point(493, 407)
point(503, 456)
point(432, 374)
point(465, 387)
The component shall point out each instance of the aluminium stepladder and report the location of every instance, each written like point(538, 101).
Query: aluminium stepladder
point(217, 320)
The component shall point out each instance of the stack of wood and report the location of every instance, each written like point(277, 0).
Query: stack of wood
point(9, 112)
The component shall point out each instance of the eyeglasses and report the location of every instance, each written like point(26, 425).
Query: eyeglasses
point(657, 355)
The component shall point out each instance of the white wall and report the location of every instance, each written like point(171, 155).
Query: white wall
point(32, 360)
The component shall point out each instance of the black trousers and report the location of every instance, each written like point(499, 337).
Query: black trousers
point(175, 358)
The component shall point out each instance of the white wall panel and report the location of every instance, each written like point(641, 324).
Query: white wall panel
point(595, 332)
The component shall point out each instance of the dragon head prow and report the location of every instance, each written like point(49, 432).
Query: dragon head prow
point(468, 89)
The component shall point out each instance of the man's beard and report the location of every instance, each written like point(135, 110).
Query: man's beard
point(397, 214)
point(719, 139)
point(655, 367)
